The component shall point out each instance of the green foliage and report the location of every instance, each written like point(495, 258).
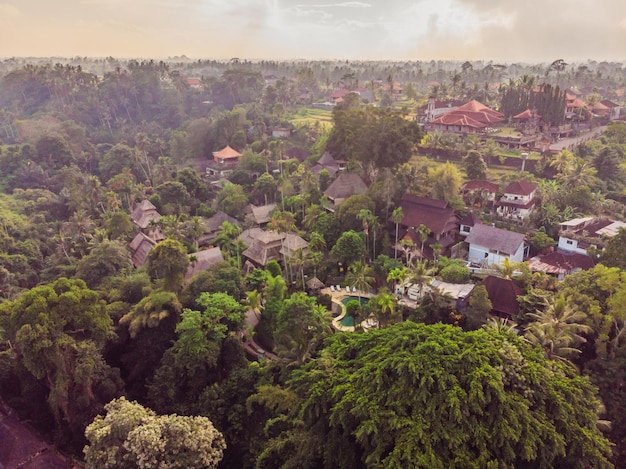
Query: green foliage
point(132, 436)
point(301, 325)
point(446, 182)
point(350, 208)
point(614, 254)
point(232, 200)
point(349, 248)
point(58, 332)
point(478, 308)
point(168, 261)
point(475, 166)
point(151, 311)
point(453, 271)
point(380, 138)
point(434, 396)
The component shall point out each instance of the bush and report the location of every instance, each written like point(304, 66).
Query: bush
point(455, 272)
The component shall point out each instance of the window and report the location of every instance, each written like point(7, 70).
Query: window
point(569, 241)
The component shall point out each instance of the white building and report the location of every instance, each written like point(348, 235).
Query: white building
point(518, 201)
point(580, 234)
point(489, 246)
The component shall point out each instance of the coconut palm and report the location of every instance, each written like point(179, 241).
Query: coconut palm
point(396, 216)
point(421, 274)
point(360, 276)
point(398, 276)
point(386, 306)
point(422, 231)
point(557, 330)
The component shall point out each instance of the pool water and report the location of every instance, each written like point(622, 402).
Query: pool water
point(347, 321)
point(347, 299)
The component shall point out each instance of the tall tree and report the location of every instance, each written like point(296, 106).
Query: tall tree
point(133, 436)
point(405, 395)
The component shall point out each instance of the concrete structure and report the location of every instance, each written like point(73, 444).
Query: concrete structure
point(489, 245)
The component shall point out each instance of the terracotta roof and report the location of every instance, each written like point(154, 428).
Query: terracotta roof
point(436, 215)
point(503, 293)
point(504, 241)
point(346, 185)
point(521, 187)
point(227, 153)
point(609, 104)
point(452, 118)
point(577, 103)
point(204, 259)
point(527, 114)
point(482, 185)
point(559, 263)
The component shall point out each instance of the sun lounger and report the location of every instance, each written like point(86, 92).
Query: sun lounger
point(347, 289)
point(332, 288)
point(353, 289)
point(338, 287)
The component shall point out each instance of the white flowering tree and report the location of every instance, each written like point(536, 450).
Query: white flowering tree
point(133, 436)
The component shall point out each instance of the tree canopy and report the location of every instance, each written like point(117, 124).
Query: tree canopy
point(434, 396)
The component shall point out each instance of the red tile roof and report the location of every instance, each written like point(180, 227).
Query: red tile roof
point(559, 263)
point(503, 293)
point(437, 215)
point(472, 114)
point(527, 114)
point(521, 187)
point(481, 185)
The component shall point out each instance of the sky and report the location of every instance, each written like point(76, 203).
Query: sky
point(502, 30)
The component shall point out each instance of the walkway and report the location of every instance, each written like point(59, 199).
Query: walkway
point(571, 143)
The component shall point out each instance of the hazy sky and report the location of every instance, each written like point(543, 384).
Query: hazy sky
point(505, 30)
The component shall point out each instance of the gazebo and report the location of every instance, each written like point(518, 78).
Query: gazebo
point(314, 285)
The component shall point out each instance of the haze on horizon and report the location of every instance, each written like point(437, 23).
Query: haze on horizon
point(528, 31)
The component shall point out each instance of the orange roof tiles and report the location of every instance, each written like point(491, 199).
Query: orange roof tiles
point(227, 153)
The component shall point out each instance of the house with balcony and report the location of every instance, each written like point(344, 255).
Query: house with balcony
point(224, 162)
point(580, 234)
point(518, 201)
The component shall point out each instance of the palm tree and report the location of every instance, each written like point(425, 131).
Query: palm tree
point(421, 274)
point(386, 304)
point(360, 276)
point(422, 231)
point(365, 215)
point(557, 330)
point(396, 216)
point(562, 162)
point(299, 260)
point(501, 325)
point(398, 276)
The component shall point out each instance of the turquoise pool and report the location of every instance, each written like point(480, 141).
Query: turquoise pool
point(347, 321)
point(361, 299)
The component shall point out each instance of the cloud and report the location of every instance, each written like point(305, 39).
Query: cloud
point(339, 5)
point(8, 11)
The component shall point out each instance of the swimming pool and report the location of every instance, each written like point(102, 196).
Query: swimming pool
point(361, 299)
point(347, 321)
